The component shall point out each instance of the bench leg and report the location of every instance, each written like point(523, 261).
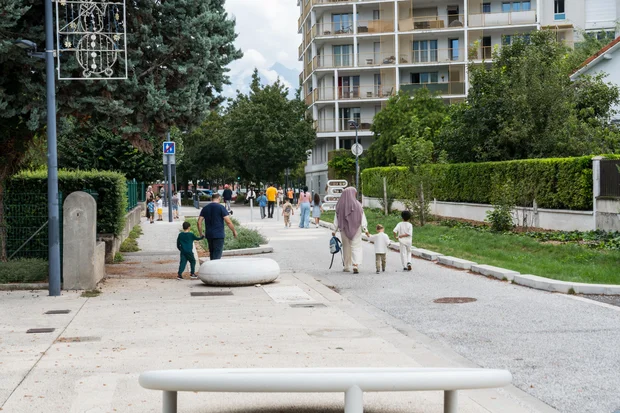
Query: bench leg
point(450, 401)
point(170, 402)
point(354, 400)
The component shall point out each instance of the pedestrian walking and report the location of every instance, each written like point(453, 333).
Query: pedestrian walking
point(150, 207)
point(287, 211)
point(382, 243)
point(289, 195)
point(251, 196)
point(160, 209)
point(271, 193)
point(185, 245)
point(317, 208)
point(350, 220)
point(404, 235)
point(262, 203)
point(227, 195)
point(280, 196)
point(214, 215)
point(149, 196)
point(175, 205)
point(304, 204)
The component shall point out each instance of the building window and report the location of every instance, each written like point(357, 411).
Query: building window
point(347, 114)
point(505, 7)
point(426, 77)
point(486, 7)
point(559, 10)
point(454, 49)
point(425, 51)
point(509, 6)
point(376, 15)
point(506, 40)
point(343, 55)
point(342, 23)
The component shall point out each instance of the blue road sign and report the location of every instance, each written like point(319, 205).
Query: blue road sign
point(168, 148)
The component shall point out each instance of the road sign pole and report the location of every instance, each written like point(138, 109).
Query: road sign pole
point(169, 159)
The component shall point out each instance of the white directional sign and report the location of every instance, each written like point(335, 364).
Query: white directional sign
point(334, 191)
point(357, 149)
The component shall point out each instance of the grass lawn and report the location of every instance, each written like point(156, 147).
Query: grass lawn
point(246, 238)
point(567, 262)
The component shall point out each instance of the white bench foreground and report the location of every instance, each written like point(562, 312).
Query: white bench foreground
point(353, 382)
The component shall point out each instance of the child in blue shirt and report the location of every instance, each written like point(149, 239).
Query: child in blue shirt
point(262, 203)
point(151, 207)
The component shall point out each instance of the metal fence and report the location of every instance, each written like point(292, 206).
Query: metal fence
point(132, 195)
point(610, 178)
point(25, 225)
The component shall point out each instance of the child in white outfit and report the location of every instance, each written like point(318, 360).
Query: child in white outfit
point(404, 234)
point(382, 243)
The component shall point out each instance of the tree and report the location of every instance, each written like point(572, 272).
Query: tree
point(422, 116)
point(525, 106)
point(103, 150)
point(267, 132)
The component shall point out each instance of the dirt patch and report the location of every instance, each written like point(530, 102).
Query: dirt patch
point(166, 262)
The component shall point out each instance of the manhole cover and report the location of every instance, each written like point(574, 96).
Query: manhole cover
point(211, 294)
point(58, 312)
point(308, 305)
point(40, 330)
point(454, 300)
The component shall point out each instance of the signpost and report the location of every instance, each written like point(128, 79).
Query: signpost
point(334, 192)
point(169, 160)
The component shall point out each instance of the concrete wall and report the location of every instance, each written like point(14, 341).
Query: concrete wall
point(112, 242)
point(559, 220)
point(608, 214)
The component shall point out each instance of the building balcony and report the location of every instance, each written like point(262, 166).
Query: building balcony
point(347, 60)
point(502, 19)
point(409, 24)
point(329, 125)
point(301, 78)
point(481, 53)
point(302, 47)
point(329, 29)
point(430, 56)
point(349, 93)
point(443, 89)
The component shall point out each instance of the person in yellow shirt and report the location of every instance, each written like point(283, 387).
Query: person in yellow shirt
point(271, 193)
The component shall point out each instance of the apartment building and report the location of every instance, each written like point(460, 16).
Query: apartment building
point(358, 53)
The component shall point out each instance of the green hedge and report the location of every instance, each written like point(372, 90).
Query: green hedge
point(562, 183)
point(108, 188)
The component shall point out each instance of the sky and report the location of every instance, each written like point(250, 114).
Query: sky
point(267, 32)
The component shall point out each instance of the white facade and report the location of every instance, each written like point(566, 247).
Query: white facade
point(358, 53)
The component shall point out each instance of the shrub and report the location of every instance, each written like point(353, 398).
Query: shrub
point(25, 270)
point(240, 199)
point(555, 183)
point(108, 188)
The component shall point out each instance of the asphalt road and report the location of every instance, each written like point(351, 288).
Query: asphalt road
point(562, 350)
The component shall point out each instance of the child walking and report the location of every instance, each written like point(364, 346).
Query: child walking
point(262, 203)
point(160, 209)
point(317, 208)
point(287, 211)
point(151, 208)
point(382, 243)
point(404, 234)
point(185, 244)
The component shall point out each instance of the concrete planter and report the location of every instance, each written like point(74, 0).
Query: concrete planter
point(236, 272)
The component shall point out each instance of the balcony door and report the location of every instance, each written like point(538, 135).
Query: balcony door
point(342, 23)
point(348, 87)
point(453, 49)
point(487, 48)
point(377, 85)
point(453, 15)
point(424, 51)
point(343, 55)
point(347, 114)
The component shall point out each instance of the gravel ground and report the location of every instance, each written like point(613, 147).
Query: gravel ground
point(563, 351)
point(607, 299)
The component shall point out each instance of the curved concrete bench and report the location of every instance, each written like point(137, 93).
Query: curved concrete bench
point(351, 381)
point(239, 271)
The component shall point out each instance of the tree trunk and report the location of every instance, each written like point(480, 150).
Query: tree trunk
point(422, 206)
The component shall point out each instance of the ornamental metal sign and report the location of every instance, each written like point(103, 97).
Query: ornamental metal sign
point(91, 39)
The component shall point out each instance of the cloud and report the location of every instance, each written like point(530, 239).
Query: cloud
point(267, 32)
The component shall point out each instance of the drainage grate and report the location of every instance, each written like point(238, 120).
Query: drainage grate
point(77, 339)
point(211, 294)
point(58, 312)
point(40, 330)
point(308, 305)
point(454, 300)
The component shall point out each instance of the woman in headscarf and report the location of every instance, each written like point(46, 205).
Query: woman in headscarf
point(350, 220)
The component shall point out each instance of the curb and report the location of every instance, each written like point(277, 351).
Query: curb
point(532, 281)
point(24, 286)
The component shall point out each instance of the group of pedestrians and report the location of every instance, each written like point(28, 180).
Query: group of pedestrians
point(351, 222)
point(155, 205)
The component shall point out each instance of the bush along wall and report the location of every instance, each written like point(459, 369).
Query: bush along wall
point(555, 183)
point(108, 188)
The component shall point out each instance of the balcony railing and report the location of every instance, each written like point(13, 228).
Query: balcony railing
point(346, 60)
point(376, 59)
point(323, 94)
point(432, 56)
point(323, 125)
point(502, 19)
point(409, 24)
point(375, 26)
point(309, 99)
point(301, 78)
point(301, 49)
point(481, 53)
point(449, 88)
point(347, 29)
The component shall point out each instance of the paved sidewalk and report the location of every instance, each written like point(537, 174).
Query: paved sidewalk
point(91, 362)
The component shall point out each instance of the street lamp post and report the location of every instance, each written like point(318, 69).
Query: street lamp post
point(52, 154)
point(357, 163)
